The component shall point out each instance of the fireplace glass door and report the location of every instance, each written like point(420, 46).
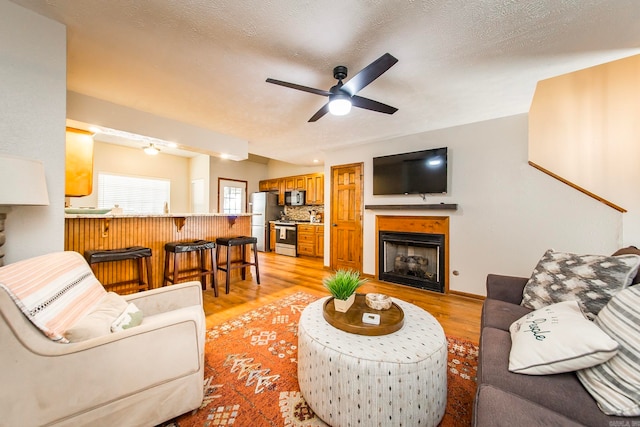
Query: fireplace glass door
point(414, 259)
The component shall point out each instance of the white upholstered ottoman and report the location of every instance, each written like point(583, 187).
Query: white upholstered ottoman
point(398, 379)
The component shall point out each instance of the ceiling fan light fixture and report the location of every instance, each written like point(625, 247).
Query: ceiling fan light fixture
point(343, 95)
point(340, 105)
point(151, 150)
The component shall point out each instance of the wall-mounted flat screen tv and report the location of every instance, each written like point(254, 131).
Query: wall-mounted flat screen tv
point(418, 172)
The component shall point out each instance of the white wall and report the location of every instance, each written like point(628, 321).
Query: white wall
point(508, 213)
point(199, 170)
point(585, 128)
point(93, 111)
point(251, 172)
point(117, 159)
point(32, 122)
point(278, 169)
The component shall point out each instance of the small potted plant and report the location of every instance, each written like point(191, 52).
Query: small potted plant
point(342, 285)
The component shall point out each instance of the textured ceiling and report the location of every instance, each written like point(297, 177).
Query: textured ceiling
point(204, 62)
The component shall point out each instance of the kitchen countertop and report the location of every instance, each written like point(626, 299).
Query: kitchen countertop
point(297, 222)
point(169, 215)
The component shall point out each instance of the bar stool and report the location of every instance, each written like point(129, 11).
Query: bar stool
point(242, 263)
point(139, 253)
point(200, 271)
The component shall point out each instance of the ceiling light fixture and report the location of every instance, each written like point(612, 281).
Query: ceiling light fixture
point(339, 104)
point(151, 150)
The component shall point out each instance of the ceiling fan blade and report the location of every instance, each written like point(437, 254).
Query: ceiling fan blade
point(321, 112)
point(369, 74)
point(370, 104)
point(299, 87)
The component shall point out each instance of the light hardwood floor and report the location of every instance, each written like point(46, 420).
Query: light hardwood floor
point(283, 275)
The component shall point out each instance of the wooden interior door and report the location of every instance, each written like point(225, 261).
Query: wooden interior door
point(346, 217)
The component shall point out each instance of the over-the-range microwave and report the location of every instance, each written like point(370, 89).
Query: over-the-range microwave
point(294, 198)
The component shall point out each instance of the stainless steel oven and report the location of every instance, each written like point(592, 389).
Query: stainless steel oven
point(286, 238)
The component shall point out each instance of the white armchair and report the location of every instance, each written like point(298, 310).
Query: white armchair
point(140, 376)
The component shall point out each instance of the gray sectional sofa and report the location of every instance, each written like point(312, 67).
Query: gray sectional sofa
point(507, 399)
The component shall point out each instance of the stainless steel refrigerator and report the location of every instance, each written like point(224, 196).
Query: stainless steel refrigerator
point(264, 208)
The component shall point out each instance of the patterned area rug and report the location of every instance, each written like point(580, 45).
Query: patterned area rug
point(251, 373)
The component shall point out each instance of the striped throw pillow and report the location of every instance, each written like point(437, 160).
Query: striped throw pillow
point(53, 290)
point(615, 384)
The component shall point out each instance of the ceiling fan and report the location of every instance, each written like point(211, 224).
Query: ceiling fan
point(343, 95)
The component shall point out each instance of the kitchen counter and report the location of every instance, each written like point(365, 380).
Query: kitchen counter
point(106, 231)
point(169, 215)
point(296, 222)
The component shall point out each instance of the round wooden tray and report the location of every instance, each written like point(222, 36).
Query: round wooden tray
point(391, 320)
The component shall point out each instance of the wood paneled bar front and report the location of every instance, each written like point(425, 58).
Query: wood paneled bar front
point(100, 232)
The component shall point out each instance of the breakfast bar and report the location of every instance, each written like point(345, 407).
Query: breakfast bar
point(102, 232)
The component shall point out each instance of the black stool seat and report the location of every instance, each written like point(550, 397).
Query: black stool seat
point(242, 263)
point(108, 255)
point(137, 253)
point(201, 271)
point(236, 241)
point(189, 246)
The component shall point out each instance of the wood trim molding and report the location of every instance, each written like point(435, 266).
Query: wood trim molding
point(577, 187)
point(246, 192)
point(468, 295)
point(432, 206)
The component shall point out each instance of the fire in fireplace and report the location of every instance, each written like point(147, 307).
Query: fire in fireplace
point(413, 259)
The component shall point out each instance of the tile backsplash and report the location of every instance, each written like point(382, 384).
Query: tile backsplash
point(303, 213)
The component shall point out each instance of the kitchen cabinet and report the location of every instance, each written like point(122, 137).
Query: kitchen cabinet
point(320, 241)
point(312, 184)
point(292, 183)
point(300, 182)
point(314, 187)
point(281, 184)
point(311, 240)
point(274, 185)
point(289, 183)
point(269, 185)
point(78, 163)
point(272, 236)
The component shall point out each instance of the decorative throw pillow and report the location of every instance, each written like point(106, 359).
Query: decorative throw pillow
point(589, 279)
point(131, 317)
point(615, 384)
point(555, 339)
point(630, 250)
point(98, 321)
point(54, 291)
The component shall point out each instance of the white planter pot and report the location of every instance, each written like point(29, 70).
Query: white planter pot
point(343, 305)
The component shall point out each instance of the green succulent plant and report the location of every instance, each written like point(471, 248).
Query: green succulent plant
point(343, 283)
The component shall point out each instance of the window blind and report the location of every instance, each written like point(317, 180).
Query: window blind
point(135, 195)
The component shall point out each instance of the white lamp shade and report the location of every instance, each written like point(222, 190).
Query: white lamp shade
point(22, 182)
point(151, 150)
point(340, 106)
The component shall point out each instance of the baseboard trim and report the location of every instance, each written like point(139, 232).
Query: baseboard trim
point(468, 295)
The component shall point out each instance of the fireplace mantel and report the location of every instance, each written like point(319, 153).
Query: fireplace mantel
point(432, 206)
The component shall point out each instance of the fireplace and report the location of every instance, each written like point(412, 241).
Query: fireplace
point(413, 259)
